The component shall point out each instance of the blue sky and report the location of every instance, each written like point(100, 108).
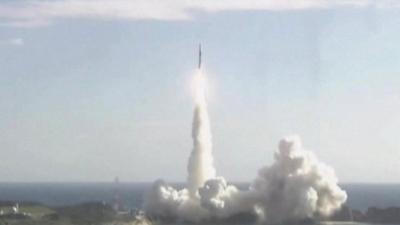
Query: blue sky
point(87, 94)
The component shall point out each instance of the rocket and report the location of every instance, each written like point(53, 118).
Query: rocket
point(199, 65)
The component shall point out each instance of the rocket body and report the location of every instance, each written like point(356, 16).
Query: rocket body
point(199, 65)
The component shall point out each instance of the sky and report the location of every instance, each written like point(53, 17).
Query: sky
point(90, 90)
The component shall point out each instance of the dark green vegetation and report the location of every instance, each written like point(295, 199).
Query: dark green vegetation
point(373, 215)
point(87, 213)
point(98, 213)
point(82, 214)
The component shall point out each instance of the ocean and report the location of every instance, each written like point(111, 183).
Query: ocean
point(360, 196)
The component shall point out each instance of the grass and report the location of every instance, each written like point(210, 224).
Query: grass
point(35, 212)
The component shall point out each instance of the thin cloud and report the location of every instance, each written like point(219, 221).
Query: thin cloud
point(12, 42)
point(34, 13)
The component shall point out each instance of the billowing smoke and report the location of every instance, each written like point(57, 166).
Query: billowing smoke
point(223, 200)
point(295, 187)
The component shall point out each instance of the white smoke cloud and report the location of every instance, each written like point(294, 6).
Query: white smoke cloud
point(295, 187)
point(163, 200)
point(223, 200)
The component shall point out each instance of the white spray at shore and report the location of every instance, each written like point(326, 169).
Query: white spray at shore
point(295, 187)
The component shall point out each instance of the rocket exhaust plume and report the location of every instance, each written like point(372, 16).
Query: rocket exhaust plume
point(295, 187)
point(200, 166)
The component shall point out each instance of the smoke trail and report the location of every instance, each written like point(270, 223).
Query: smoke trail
point(200, 166)
point(166, 202)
